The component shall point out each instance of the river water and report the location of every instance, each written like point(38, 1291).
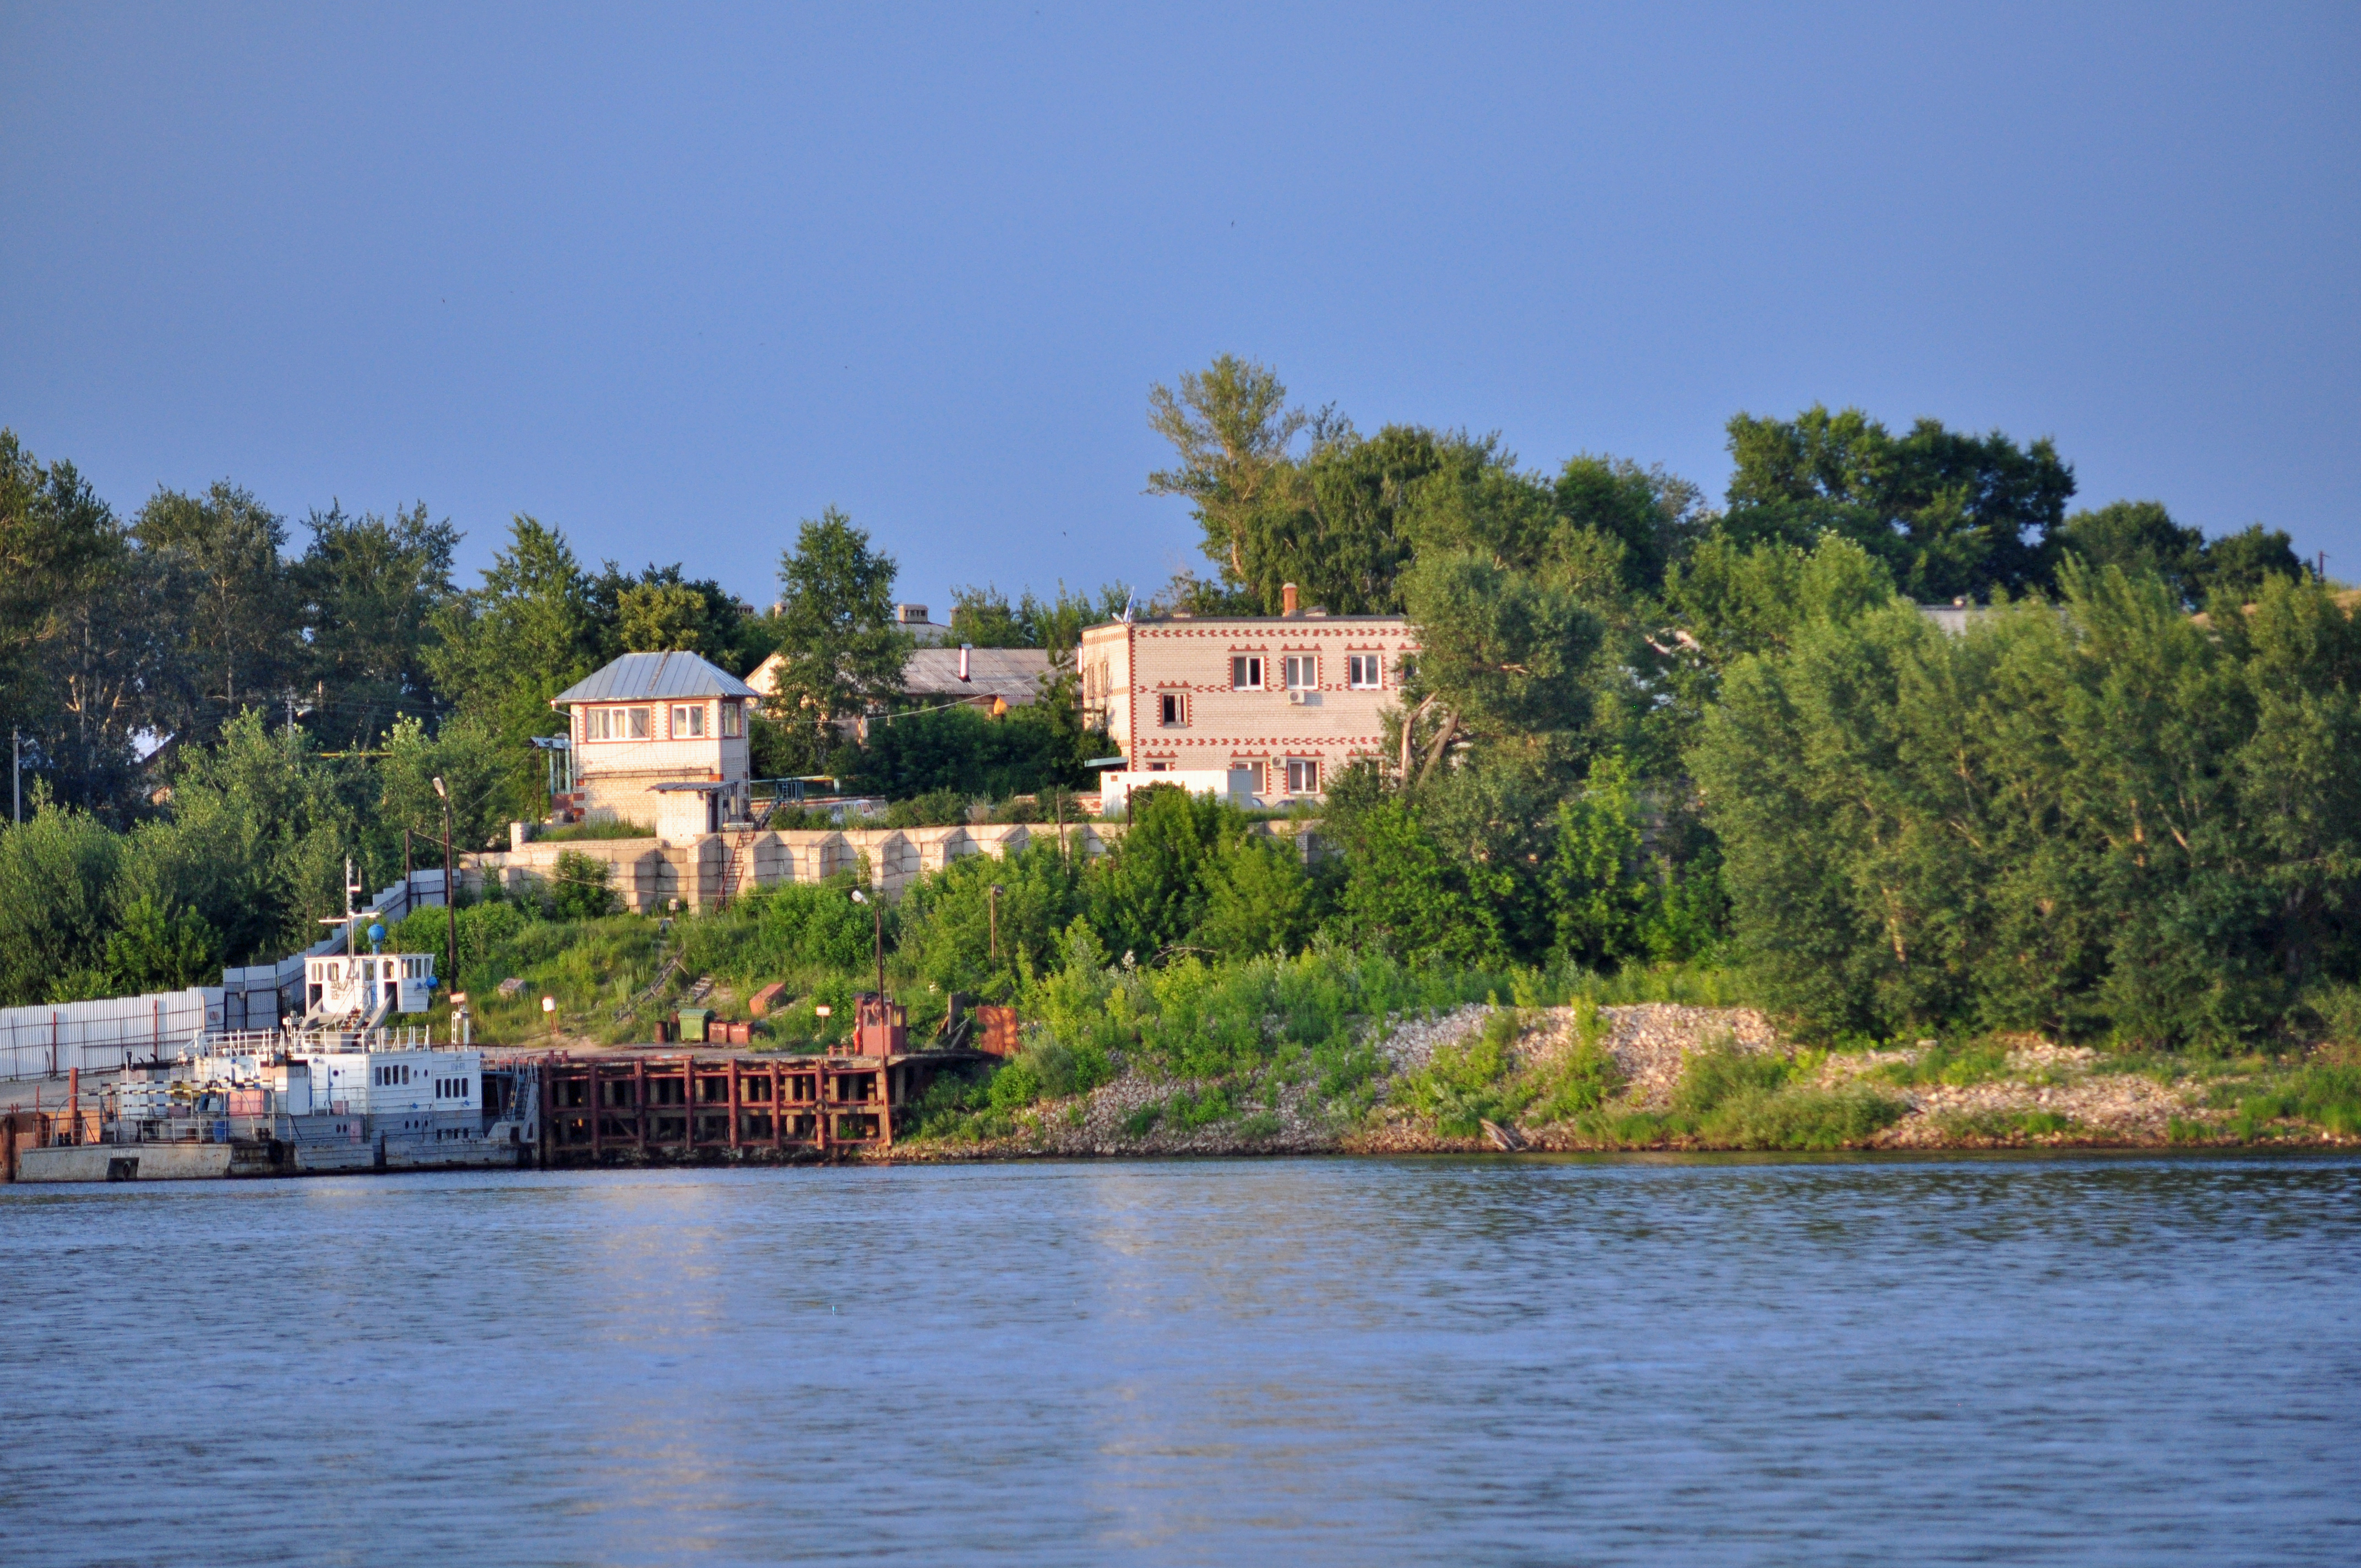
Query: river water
point(2074, 1360)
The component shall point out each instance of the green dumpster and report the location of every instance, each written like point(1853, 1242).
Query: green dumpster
point(692, 1023)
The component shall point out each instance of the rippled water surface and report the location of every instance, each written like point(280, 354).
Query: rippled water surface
point(2084, 1360)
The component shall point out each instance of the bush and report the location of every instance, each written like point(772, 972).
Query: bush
point(1749, 1099)
point(578, 889)
point(1462, 1087)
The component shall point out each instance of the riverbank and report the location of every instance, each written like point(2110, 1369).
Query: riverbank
point(1660, 1075)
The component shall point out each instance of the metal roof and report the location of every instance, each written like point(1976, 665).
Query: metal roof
point(653, 677)
point(1012, 673)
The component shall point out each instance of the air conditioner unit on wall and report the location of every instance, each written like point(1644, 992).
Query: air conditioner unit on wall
point(1295, 696)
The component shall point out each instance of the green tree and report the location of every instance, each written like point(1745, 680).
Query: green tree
point(2235, 565)
point(1230, 428)
point(153, 948)
point(663, 611)
point(87, 643)
point(256, 839)
point(1148, 894)
point(1656, 517)
point(369, 586)
point(238, 640)
point(1951, 514)
point(2135, 537)
point(1404, 894)
point(1258, 898)
point(1503, 659)
point(502, 650)
point(465, 755)
point(56, 869)
point(838, 650)
point(948, 920)
point(1598, 892)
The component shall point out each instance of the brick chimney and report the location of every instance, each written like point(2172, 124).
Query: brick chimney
point(1286, 598)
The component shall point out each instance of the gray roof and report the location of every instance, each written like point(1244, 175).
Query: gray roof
point(1014, 673)
point(654, 678)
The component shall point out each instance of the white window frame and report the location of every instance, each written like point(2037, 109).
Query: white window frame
point(632, 724)
point(733, 720)
point(688, 721)
point(1365, 672)
point(1257, 774)
point(1176, 704)
point(1303, 775)
point(1302, 671)
point(1246, 673)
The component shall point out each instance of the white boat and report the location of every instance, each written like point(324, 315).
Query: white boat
point(341, 1089)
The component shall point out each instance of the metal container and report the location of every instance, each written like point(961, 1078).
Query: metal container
point(692, 1023)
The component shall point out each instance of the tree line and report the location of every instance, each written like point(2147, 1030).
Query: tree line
point(1642, 728)
point(209, 720)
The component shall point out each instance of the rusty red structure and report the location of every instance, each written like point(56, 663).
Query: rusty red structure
point(703, 1108)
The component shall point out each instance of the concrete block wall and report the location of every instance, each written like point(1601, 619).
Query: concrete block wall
point(709, 870)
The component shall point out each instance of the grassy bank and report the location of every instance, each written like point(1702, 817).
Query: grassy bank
point(1340, 1048)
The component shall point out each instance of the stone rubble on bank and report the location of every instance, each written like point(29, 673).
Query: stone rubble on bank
point(1650, 1044)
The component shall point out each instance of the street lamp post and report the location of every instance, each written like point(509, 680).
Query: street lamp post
point(878, 910)
point(992, 902)
point(450, 893)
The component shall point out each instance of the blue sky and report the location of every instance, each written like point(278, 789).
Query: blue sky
point(672, 278)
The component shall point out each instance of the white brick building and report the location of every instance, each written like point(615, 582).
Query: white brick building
point(660, 739)
point(1289, 698)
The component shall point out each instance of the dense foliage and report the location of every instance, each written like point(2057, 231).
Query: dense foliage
point(1639, 732)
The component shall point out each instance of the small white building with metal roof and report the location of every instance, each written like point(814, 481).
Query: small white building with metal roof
point(660, 739)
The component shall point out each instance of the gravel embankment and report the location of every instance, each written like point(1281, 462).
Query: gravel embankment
point(1650, 1044)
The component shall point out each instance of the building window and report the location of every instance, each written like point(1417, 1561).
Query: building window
point(733, 721)
point(1171, 708)
point(1246, 672)
point(1303, 775)
point(688, 721)
point(1303, 672)
point(1365, 671)
point(1158, 767)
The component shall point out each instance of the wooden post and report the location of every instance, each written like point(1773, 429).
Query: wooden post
point(593, 1094)
point(886, 1104)
point(548, 1106)
point(733, 1103)
point(74, 1101)
point(778, 1109)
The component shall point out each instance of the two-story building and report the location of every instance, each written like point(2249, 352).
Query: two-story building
point(660, 739)
point(1279, 702)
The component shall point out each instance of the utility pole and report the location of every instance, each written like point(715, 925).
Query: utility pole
point(450, 893)
point(992, 901)
point(17, 773)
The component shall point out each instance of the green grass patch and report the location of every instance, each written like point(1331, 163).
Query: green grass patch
point(1955, 1064)
point(579, 831)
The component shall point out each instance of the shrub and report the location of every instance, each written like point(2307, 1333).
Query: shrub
point(578, 890)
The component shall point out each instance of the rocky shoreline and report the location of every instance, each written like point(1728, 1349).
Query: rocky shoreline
point(2022, 1092)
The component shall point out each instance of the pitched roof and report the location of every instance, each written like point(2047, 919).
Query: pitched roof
point(1013, 673)
point(653, 677)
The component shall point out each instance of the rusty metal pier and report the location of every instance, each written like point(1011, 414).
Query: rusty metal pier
point(695, 1108)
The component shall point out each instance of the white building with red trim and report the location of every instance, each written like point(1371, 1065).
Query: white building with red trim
point(1285, 700)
